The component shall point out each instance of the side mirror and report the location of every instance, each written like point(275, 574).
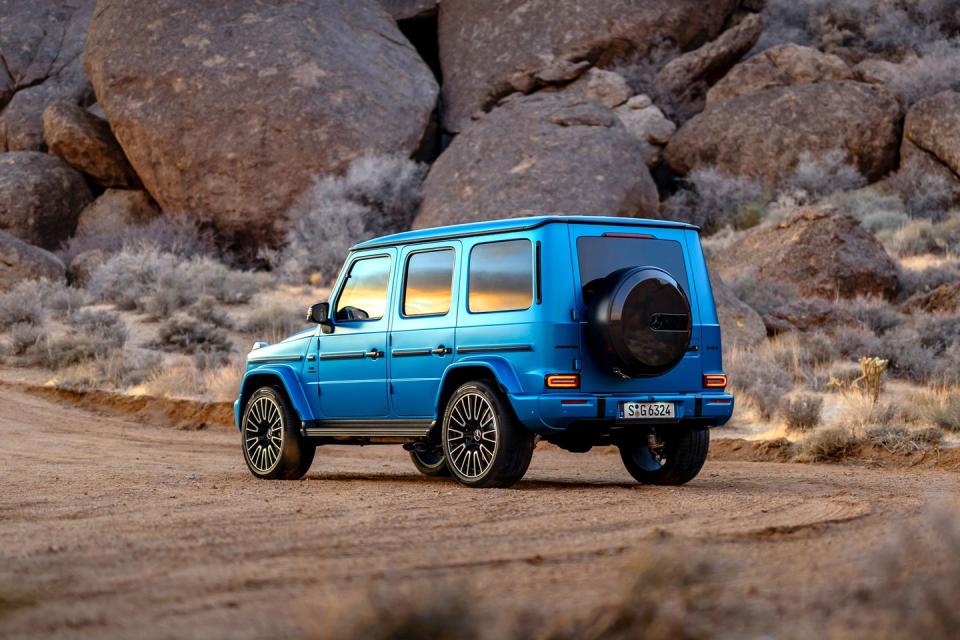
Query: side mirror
point(320, 314)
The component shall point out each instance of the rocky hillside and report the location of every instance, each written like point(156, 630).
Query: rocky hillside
point(286, 131)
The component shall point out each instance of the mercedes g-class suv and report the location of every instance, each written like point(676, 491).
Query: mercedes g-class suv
point(466, 343)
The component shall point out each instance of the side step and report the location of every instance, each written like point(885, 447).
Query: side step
point(367, 428)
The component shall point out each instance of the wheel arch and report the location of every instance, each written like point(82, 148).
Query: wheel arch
point(496, 370)
point(282, 377)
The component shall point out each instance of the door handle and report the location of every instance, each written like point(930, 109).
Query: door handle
point(441, 351)
point(373, 354)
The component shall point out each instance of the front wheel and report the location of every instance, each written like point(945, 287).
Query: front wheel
point(272, 447)
point(483, 443)
point(672, 456)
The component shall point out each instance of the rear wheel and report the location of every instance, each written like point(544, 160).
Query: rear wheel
point(430, 463)
point(272, 445)
point(483, 443)
point(672, 456)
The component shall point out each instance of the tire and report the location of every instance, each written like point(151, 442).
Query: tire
point(267, 418)
point(639, 322)
point(483, 442)
point(676, 461)
point(430, 463)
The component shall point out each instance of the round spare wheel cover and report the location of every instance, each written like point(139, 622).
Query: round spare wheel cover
point(640, 322)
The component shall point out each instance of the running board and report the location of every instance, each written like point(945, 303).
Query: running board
point(367, 428)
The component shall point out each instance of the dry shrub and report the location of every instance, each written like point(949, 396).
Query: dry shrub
point(25, 336)
point(117, 370)
point(92, 334)
point(435, 613)
point(756, 375)
point(158, 282)
point(21, 305)
point(941, 407)
point(178, 234)
point(927, 278)
point(901, 439)
point(222, 384)
point(273, 321)
point(924, 194)
point(875, 312)
point(828, 444)
point(801, 413)
point(712, 200)
point(187, 334)
point(925, 236)
point(378, 195)
point(922, 605)
point(669, 592)
point(177, 379)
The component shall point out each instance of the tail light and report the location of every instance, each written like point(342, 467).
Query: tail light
point(715, 381)
point(562, 381)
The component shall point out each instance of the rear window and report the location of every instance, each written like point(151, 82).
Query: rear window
point(602, 255)
point(501, 276)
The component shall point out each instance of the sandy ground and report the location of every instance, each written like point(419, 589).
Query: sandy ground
point(110, 527)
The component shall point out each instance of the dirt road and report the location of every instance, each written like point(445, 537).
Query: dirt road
point(112, 528)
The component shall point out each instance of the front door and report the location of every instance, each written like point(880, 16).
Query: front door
point(352, 360)
point(422, 336)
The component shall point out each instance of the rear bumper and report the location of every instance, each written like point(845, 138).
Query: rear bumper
point(557, 412)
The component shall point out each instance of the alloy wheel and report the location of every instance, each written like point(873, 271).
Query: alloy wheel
point(472, 435)
point(263, 434)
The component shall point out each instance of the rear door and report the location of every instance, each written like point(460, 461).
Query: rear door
point(602, 249)
point(422, 337)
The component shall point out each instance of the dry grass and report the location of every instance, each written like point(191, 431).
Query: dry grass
point(941, 407)
point(668, 592)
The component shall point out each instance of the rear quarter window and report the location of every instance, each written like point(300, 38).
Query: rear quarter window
point(501, 276)
point(599, 256)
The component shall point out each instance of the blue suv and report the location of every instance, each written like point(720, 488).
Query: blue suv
point(466, 343)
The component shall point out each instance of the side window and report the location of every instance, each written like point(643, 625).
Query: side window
point(364, 293)
point(428, 283)
point(501, 276)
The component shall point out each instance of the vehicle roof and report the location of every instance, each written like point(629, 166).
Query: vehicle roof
point(507, 225)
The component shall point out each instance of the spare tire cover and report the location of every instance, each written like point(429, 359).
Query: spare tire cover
point(639, 323)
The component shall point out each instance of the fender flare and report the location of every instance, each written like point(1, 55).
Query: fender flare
point(499, 366)
point(280, 374)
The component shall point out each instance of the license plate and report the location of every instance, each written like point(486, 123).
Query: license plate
point(646, 410)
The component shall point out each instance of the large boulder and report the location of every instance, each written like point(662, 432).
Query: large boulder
point(780, 66)
point(407, 9)
point(933, 126)
point(646, 122)
point(739, 323)
point(41, 45)
point(115, 210)
point(87, 144)
point(40, 197)
point(21, 261)
point(943, 299)
point(547, 153)
point(228, 110)
point(683, 82)
point(491, 49)
point(764, 134)
point(821, 252)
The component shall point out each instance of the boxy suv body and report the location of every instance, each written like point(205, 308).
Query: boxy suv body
point(465, 343)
